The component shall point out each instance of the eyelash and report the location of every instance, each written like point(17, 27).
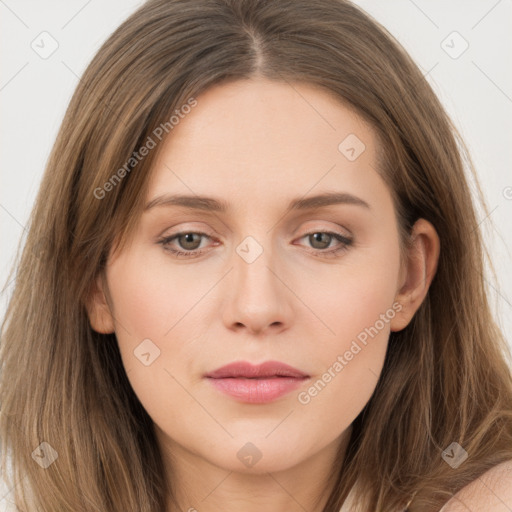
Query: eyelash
point(345, 243)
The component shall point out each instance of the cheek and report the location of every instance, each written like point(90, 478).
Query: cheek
point(150, 296)
point(352, 296)
point(156, 324)
point(349, 363)
point(357, 306)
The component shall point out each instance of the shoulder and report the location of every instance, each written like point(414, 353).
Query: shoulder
point(491, 491)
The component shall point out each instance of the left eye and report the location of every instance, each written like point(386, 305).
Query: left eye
point(187, 240)
point(190, 241)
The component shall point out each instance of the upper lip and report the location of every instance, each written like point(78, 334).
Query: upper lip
point(248, 370)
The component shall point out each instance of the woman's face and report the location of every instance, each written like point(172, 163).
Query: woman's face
point(255, 283)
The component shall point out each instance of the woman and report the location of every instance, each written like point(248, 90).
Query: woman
point(262, 280)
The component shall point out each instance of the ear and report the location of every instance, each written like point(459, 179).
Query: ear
point(98, 310)
point(418, 270)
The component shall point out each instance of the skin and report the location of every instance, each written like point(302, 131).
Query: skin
point(491, 491)
point(257, 145)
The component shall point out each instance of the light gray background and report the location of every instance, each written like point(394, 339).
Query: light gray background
point(475, 87)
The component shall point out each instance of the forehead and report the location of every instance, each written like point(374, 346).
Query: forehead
point(266, 139)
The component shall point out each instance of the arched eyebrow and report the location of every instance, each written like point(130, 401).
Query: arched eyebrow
point(194, 202)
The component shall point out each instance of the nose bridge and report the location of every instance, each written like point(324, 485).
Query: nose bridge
point(252, 269)
point(258, 298)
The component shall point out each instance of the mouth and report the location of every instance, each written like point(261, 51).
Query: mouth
point(254, 384)
point(268, 369)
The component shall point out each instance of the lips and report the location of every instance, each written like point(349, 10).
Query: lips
point(256, 384)
point(242, 369)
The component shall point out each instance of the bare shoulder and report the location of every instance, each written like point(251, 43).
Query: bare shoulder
point(492, 491)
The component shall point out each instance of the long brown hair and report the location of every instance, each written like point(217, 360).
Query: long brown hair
point(446, 377)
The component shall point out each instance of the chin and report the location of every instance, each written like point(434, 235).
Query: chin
point(259, 456)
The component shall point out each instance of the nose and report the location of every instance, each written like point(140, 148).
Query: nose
point(258, 299)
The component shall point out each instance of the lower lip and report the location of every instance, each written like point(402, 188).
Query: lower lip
point(257, 391)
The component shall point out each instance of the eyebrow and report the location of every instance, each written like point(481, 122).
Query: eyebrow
point(195, 202)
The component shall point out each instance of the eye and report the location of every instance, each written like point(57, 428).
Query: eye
point(322, 240)
point(190, 242)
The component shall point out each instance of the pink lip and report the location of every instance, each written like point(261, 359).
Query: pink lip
point(256, 383)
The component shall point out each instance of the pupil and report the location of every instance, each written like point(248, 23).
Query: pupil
point(318, 238)
point(189, 239)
